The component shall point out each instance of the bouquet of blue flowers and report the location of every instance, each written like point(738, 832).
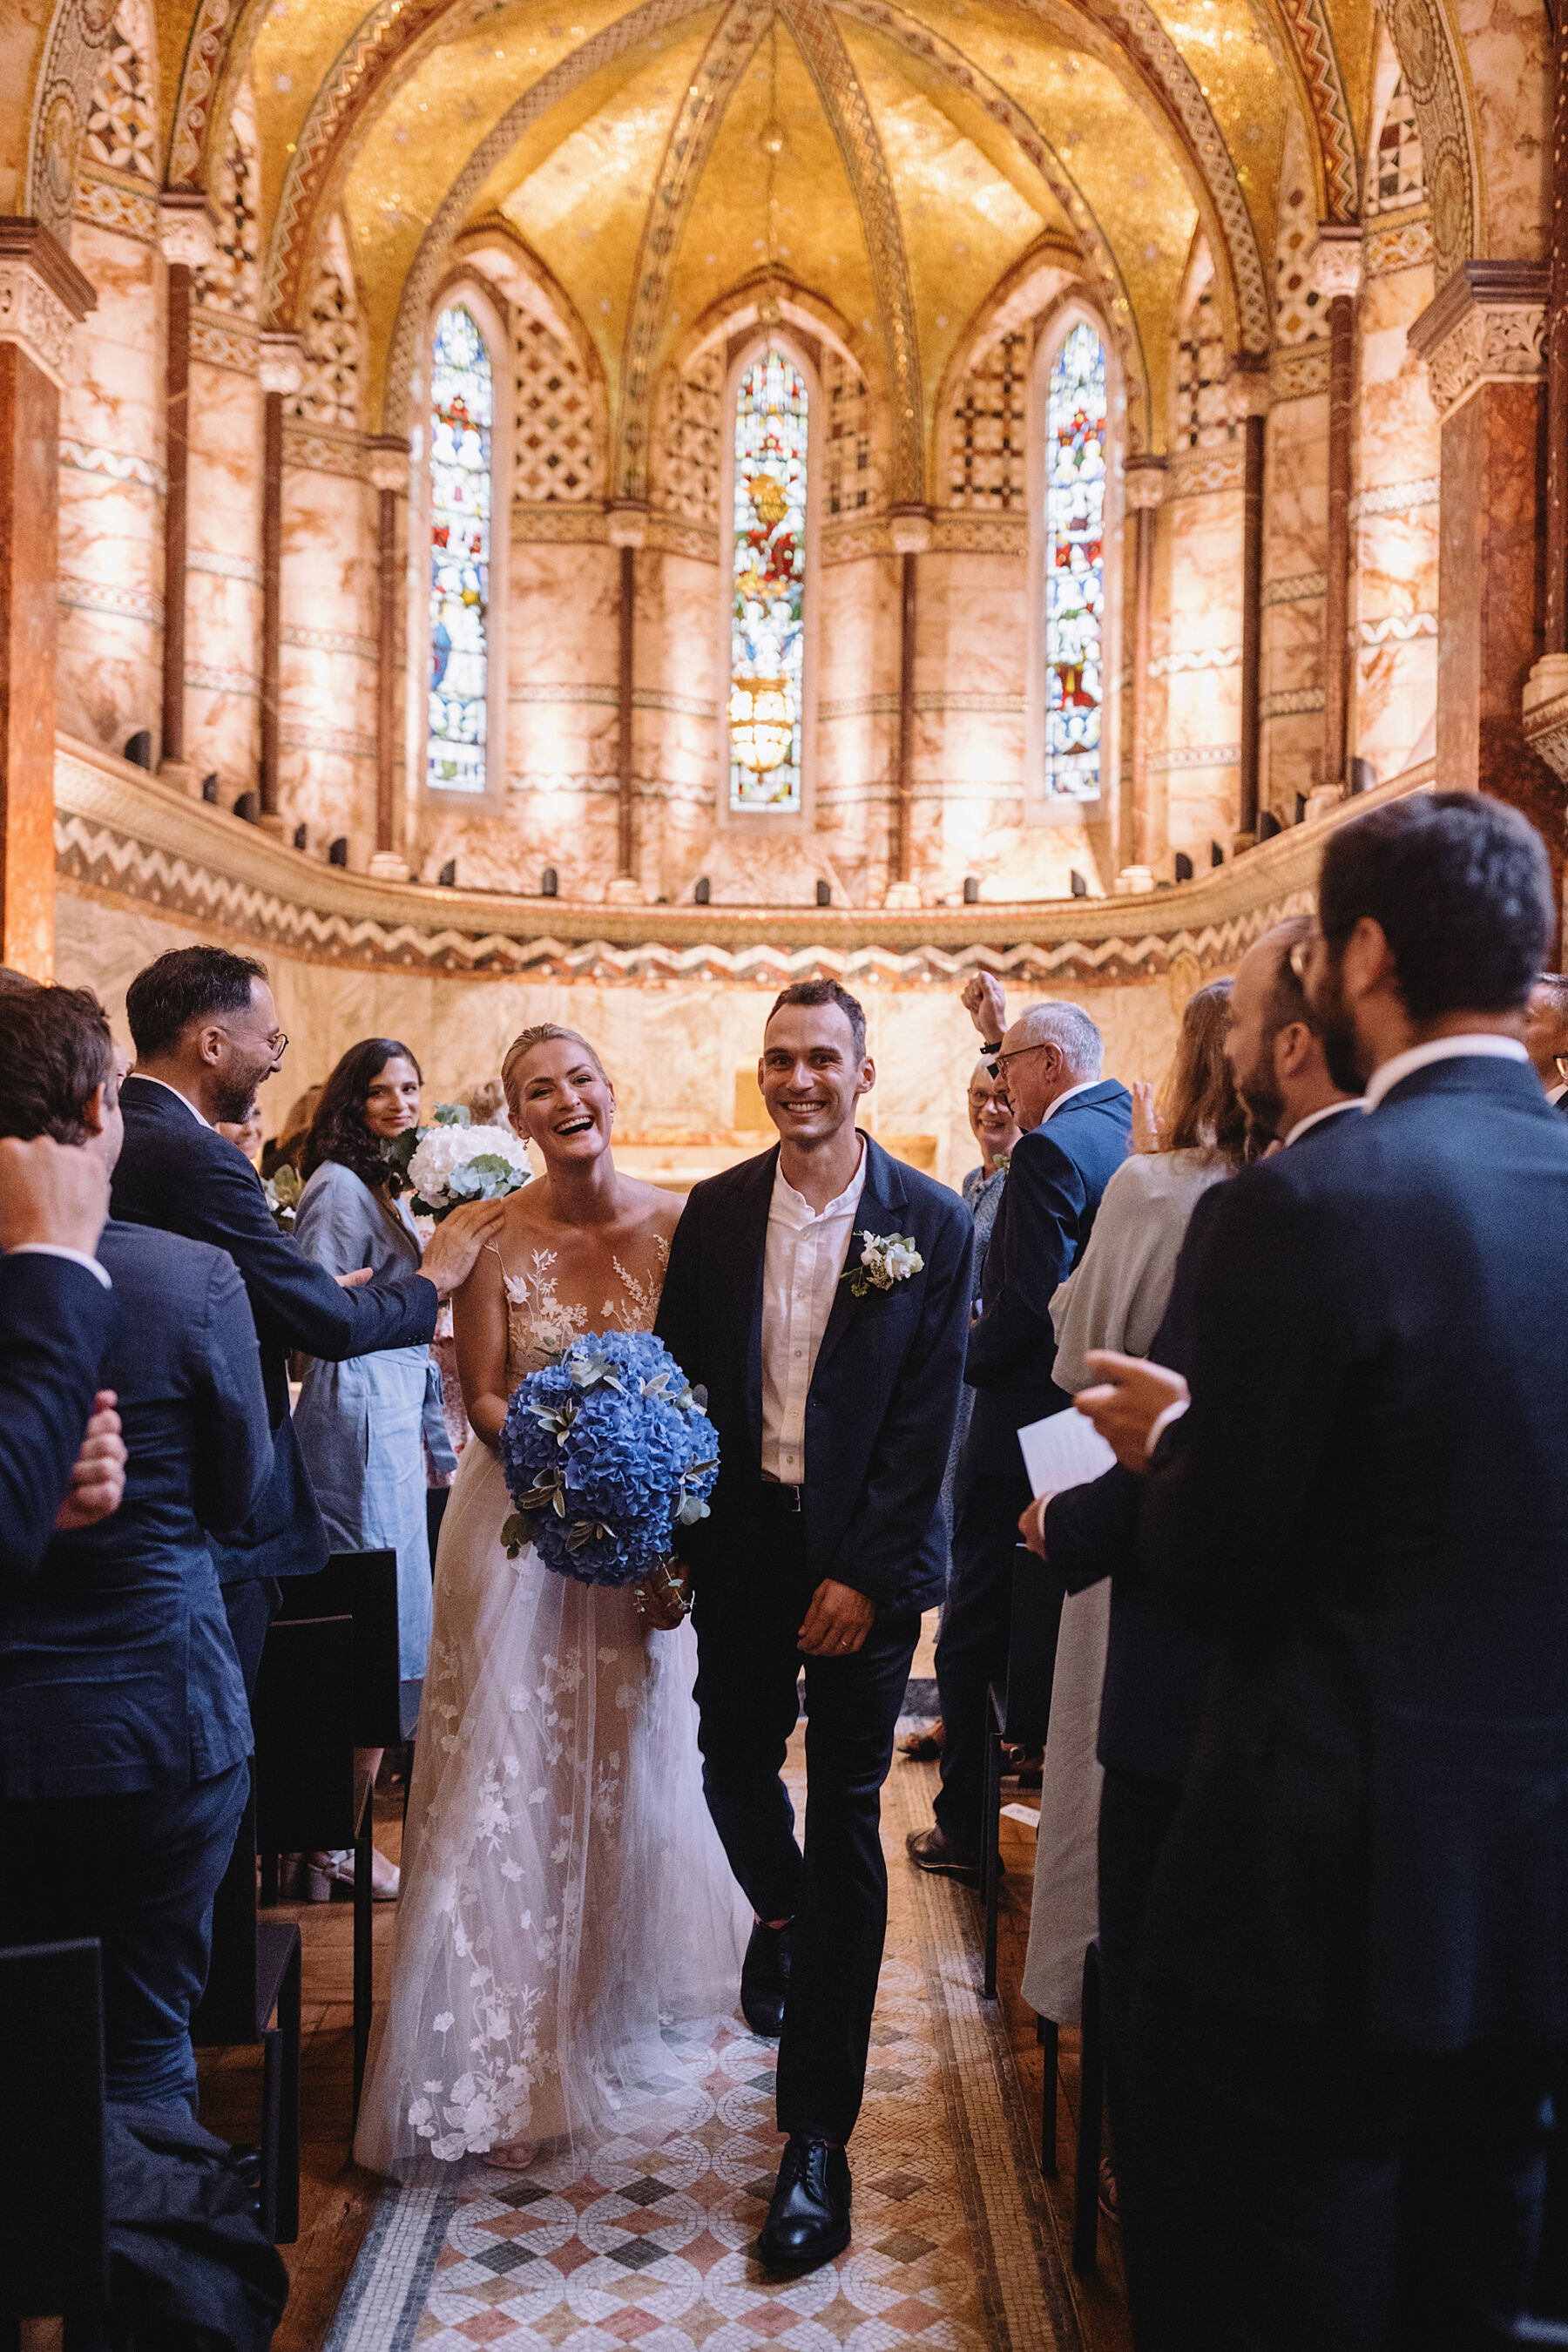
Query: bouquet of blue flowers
point(606, 1451)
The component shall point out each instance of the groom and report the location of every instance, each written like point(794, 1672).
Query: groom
point(834, 1411)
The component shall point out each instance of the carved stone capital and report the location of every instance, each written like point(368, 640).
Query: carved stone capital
point(1337, 262)
point(627, 523)
point(280, 369)
point(389, 462)
point(1144, 484)
point(908, 528)
point(1486, 326)
point(42, 296)
point(185, 230)
point(1545, 711)
point(1248, 392)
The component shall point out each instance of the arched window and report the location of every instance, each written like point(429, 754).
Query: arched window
point(767, 619)
point(1074, 540)
point(461, 420)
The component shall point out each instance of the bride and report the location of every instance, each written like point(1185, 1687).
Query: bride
point(564, 1894)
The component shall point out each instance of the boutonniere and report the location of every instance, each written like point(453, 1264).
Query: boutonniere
point(884, 1259)
point(1003, 1162)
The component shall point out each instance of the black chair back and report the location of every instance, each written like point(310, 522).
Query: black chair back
point(1031, 1650)
point(303, 1716)
point(361, 1585)
point(53, 2257)
point(226, 2009)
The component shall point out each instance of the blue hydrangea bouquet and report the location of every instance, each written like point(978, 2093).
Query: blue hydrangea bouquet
point(606, 1451)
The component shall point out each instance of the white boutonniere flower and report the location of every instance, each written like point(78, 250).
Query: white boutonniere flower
point(884, 1259)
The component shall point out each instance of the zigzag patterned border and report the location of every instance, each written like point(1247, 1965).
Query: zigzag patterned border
point(1320, 64)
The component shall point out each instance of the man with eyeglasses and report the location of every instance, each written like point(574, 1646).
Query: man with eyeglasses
point(1076, 1127)
point(207, 1034)
point(1546, 1034)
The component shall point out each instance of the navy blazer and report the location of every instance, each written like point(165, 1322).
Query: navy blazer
point(883, 1393)
point(178, 1173)
point(117, 1668)
point(1367, 1499)
point(54, 1319)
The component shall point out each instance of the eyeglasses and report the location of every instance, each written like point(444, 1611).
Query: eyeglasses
point(1299, 957)
point(1017, 1053)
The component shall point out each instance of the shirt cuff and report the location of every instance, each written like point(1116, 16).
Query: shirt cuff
point(54, 1249)
point(1163, 1421)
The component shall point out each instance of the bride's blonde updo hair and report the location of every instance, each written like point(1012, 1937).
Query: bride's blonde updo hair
point(543, 1032)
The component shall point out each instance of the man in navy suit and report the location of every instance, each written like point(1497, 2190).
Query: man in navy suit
point(1356, 1940)
point(1076, 1130)
point(62, 1458)
point(123, 1725)
point(833, 1387)
point(207, 1035)
point(1546, 1034)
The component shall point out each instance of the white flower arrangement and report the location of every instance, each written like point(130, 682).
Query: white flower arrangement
point(454, 1160)
point(884, 1259)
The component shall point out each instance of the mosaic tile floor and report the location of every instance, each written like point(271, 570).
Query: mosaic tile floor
point(649, 2242)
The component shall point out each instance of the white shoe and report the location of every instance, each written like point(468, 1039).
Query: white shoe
point(335, 1874)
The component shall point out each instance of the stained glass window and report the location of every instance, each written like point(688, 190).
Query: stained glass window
point(1075, 564)
point(767, 636)
point(460, 419)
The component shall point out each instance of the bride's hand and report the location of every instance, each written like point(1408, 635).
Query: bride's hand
point(660, 1599)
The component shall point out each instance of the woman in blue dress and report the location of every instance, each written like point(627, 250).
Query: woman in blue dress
point(368, 1427)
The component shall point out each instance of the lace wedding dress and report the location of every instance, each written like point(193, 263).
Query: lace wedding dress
point(564, 1893)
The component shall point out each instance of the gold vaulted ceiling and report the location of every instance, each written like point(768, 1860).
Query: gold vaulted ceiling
point(932, 151)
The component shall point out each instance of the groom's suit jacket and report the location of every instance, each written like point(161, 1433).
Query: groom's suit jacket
point(883, 1396)
point(1367, 1499)
point(182, 1175)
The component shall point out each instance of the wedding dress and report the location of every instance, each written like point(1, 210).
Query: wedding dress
point(564, 1893)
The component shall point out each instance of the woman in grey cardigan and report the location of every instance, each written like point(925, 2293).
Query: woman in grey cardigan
point(366, 1426)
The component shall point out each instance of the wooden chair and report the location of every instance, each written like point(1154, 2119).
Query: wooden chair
point(54, 2262)
point(252, 1980)
point(1018, 1712)
point(1091, 2117)
point(310, 1796)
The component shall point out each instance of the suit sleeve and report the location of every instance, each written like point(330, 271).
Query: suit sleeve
point(300, 1300)
point(329, 1226)
point(1273, 1308)
point(54, 1323)
point(1043, 1205)
point(233, 1449)
point(892, 1516)
point(1091, 1531)
point(677, 1323)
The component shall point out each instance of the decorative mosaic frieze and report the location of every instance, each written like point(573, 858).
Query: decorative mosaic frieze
point(1397, 179)
point(1301, 588)
point(223, 567)
point(1395, 497)
point(1196, 755)
point(562, 525)
point(329, 641)
point(981, 534)
point(315, 450)
point(1196, 472)
point(859, 705)
point(226, 342)
point(598, 697)
point(557, 452)
point(224, 681)
point(1298, 374)
point(120, 123)
point(847, 542)
point(1196, 657)
point(229, 282)
point(1292, 702)
point(111, 204)
point(120, 465)
point(1397, 244)
point(332, 343)
point(680, 706)
point(99, 596)
point(344, 742)
point(1394, 628)
point(670, 536)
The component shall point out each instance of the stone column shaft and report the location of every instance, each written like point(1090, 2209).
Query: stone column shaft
point(386, 667)
point(1557, 360)
point(626, 806)
point(1252, 616)
point(271, 595)
point(1144, 485)
point(901, 845)
point(1337, 558)
point(177, 467)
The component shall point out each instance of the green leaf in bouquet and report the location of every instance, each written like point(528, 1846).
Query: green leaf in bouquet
point(516, 1531)
point(454, 1115)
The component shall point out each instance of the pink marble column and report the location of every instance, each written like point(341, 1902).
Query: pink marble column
point(185, 234)
point(42, 294)
point(1337, 269)
point(1144, 488)
point(281, 375)
point(389, 479)
point(627, 525)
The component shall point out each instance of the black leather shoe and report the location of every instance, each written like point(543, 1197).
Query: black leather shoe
point(765, 1977)
point(808, 2221)
point(930, 1851)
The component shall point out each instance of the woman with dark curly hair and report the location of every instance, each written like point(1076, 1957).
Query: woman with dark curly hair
point(366, 1427)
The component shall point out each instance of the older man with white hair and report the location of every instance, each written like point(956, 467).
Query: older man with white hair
point(1075, 1128)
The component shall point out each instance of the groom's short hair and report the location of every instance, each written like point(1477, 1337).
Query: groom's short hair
point(827, 992)
point(56, 1051)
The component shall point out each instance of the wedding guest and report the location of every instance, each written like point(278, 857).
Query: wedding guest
point(1116, 1296)
point(207, 1035)
point(60, 1447)
point(1546, 1033)
point(245, 1134)
point(122, 1770)
point(996, 1131)
point(1074, 1129)
point(1355, 1940)
point(288, 1143)
point(366, 1425)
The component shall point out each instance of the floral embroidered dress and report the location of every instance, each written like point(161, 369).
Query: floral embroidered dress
point(564, 1893)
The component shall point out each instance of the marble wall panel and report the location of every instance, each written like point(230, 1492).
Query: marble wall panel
point(328, 670)
point(110, 679)
point(673, 1051)
point(1196, 655)
point(1295, 550)
point(1394, 565)
point(222, 607)
point(562, 614)
point(1508, 48)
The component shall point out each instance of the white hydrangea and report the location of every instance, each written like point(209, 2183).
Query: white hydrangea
point(442, 1151)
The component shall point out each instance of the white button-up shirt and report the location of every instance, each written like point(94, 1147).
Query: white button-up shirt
point(802, 1263)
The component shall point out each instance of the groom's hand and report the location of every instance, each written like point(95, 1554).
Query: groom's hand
point(836, 1622)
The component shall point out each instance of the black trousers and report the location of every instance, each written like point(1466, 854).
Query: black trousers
point(972, 1648)
point(139, 1873)
point(251, 1604)
point(836, 1891)
point(1334, 2200)
point(1135, 1817)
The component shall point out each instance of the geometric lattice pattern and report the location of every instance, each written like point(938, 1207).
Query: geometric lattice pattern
point(229, 282)
point(555, 453)
point(1200, 421)
point(120, 123)
point(1296, 301)
point(989, 431)
point(690, 458)
point(1398, 173)
point(332, 343)
point(846, 479)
